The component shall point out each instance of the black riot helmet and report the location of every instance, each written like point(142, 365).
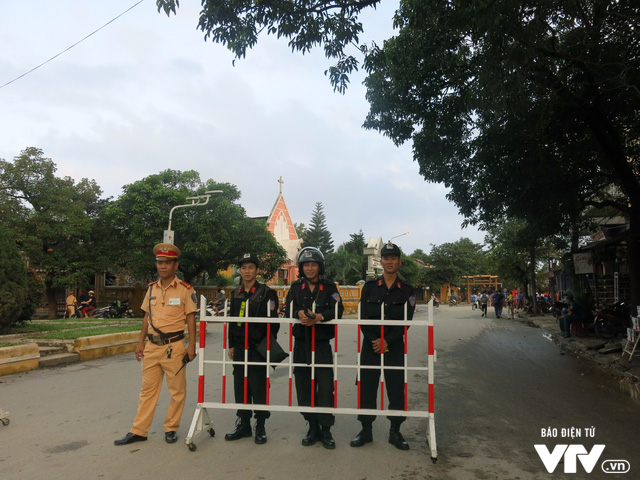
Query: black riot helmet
point(310, 254)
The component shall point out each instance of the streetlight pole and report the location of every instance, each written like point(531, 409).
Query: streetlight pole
point(197, 201)
point(402, 234)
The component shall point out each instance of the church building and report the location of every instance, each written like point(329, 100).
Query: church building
point(281, 227)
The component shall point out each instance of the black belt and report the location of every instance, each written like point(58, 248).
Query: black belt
point(165, 339)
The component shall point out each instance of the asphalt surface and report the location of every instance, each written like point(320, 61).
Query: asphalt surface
point(499, 383)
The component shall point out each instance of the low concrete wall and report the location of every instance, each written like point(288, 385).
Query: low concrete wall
point(19, 358)
point(105, 345)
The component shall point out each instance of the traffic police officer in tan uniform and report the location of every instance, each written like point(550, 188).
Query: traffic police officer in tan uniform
point(386, 295)
point(168, 304)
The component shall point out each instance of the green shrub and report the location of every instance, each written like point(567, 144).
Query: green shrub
point(20, 291)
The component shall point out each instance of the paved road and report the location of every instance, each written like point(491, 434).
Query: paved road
point(498, 384)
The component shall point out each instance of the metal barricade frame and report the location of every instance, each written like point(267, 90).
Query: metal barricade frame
point(201, 420)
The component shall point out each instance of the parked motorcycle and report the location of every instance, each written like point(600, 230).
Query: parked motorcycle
point(543, 307)
point(116, 309)
point(612, 320)
point(559, 309)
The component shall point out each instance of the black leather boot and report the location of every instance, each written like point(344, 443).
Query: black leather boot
point(261, 434)
point(396, 438)
point(313, 435)
point(327, 439)
point(243, 429)
point(365, 436)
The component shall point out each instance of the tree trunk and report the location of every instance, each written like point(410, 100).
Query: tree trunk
point(51, 300)
point(532, 275)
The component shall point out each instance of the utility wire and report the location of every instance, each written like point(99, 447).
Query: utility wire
point(69, 48)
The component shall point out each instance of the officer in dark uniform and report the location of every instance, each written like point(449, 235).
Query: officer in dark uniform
point(259, 301)
point(314, 300)
point(390, 293)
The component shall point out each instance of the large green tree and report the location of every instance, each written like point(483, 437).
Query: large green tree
point(211, 237)
point(348, 264)
point(450, 261)
point(318, 235)
point(525, 109)
point(52, 219)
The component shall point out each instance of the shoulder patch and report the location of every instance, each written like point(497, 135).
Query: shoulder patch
point(185, 284)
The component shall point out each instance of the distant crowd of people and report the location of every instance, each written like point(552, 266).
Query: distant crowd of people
point(499, 300)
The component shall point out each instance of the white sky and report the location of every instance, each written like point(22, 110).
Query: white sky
point(147, 93)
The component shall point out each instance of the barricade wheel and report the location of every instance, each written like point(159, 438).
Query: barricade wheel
point(5, 421)
point(212, 432)
point(192, 447)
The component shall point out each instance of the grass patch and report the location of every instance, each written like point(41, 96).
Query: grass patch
point(94, 320)
point(9, 344)
point(77, 333)
point(46, 327)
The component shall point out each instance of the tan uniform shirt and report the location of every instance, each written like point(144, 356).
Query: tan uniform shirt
point(169, 307)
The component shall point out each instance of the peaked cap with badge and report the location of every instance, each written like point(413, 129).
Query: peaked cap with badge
point(390, 249)
point(166, 250)
point(249, 257)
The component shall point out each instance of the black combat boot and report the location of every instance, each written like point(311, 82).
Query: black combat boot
point(396, 438)
point(313, 435)
point(365, 436)
point(243, 429)
point(261, 434)
point(327, 439)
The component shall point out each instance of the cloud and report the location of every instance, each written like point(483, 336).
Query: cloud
point(147, 93)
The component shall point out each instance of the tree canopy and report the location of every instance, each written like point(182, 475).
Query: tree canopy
point(520, 107)
point(348, 264)
point(330, 24)
point(52, 219)
point(211, 237)
point(450, 261)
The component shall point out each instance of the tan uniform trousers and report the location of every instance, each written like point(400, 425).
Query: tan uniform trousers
point(154, 365)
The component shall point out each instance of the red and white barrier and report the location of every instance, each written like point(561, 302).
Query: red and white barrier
point(202, 419)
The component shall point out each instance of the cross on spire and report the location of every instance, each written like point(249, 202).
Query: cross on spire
point(281, 182)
